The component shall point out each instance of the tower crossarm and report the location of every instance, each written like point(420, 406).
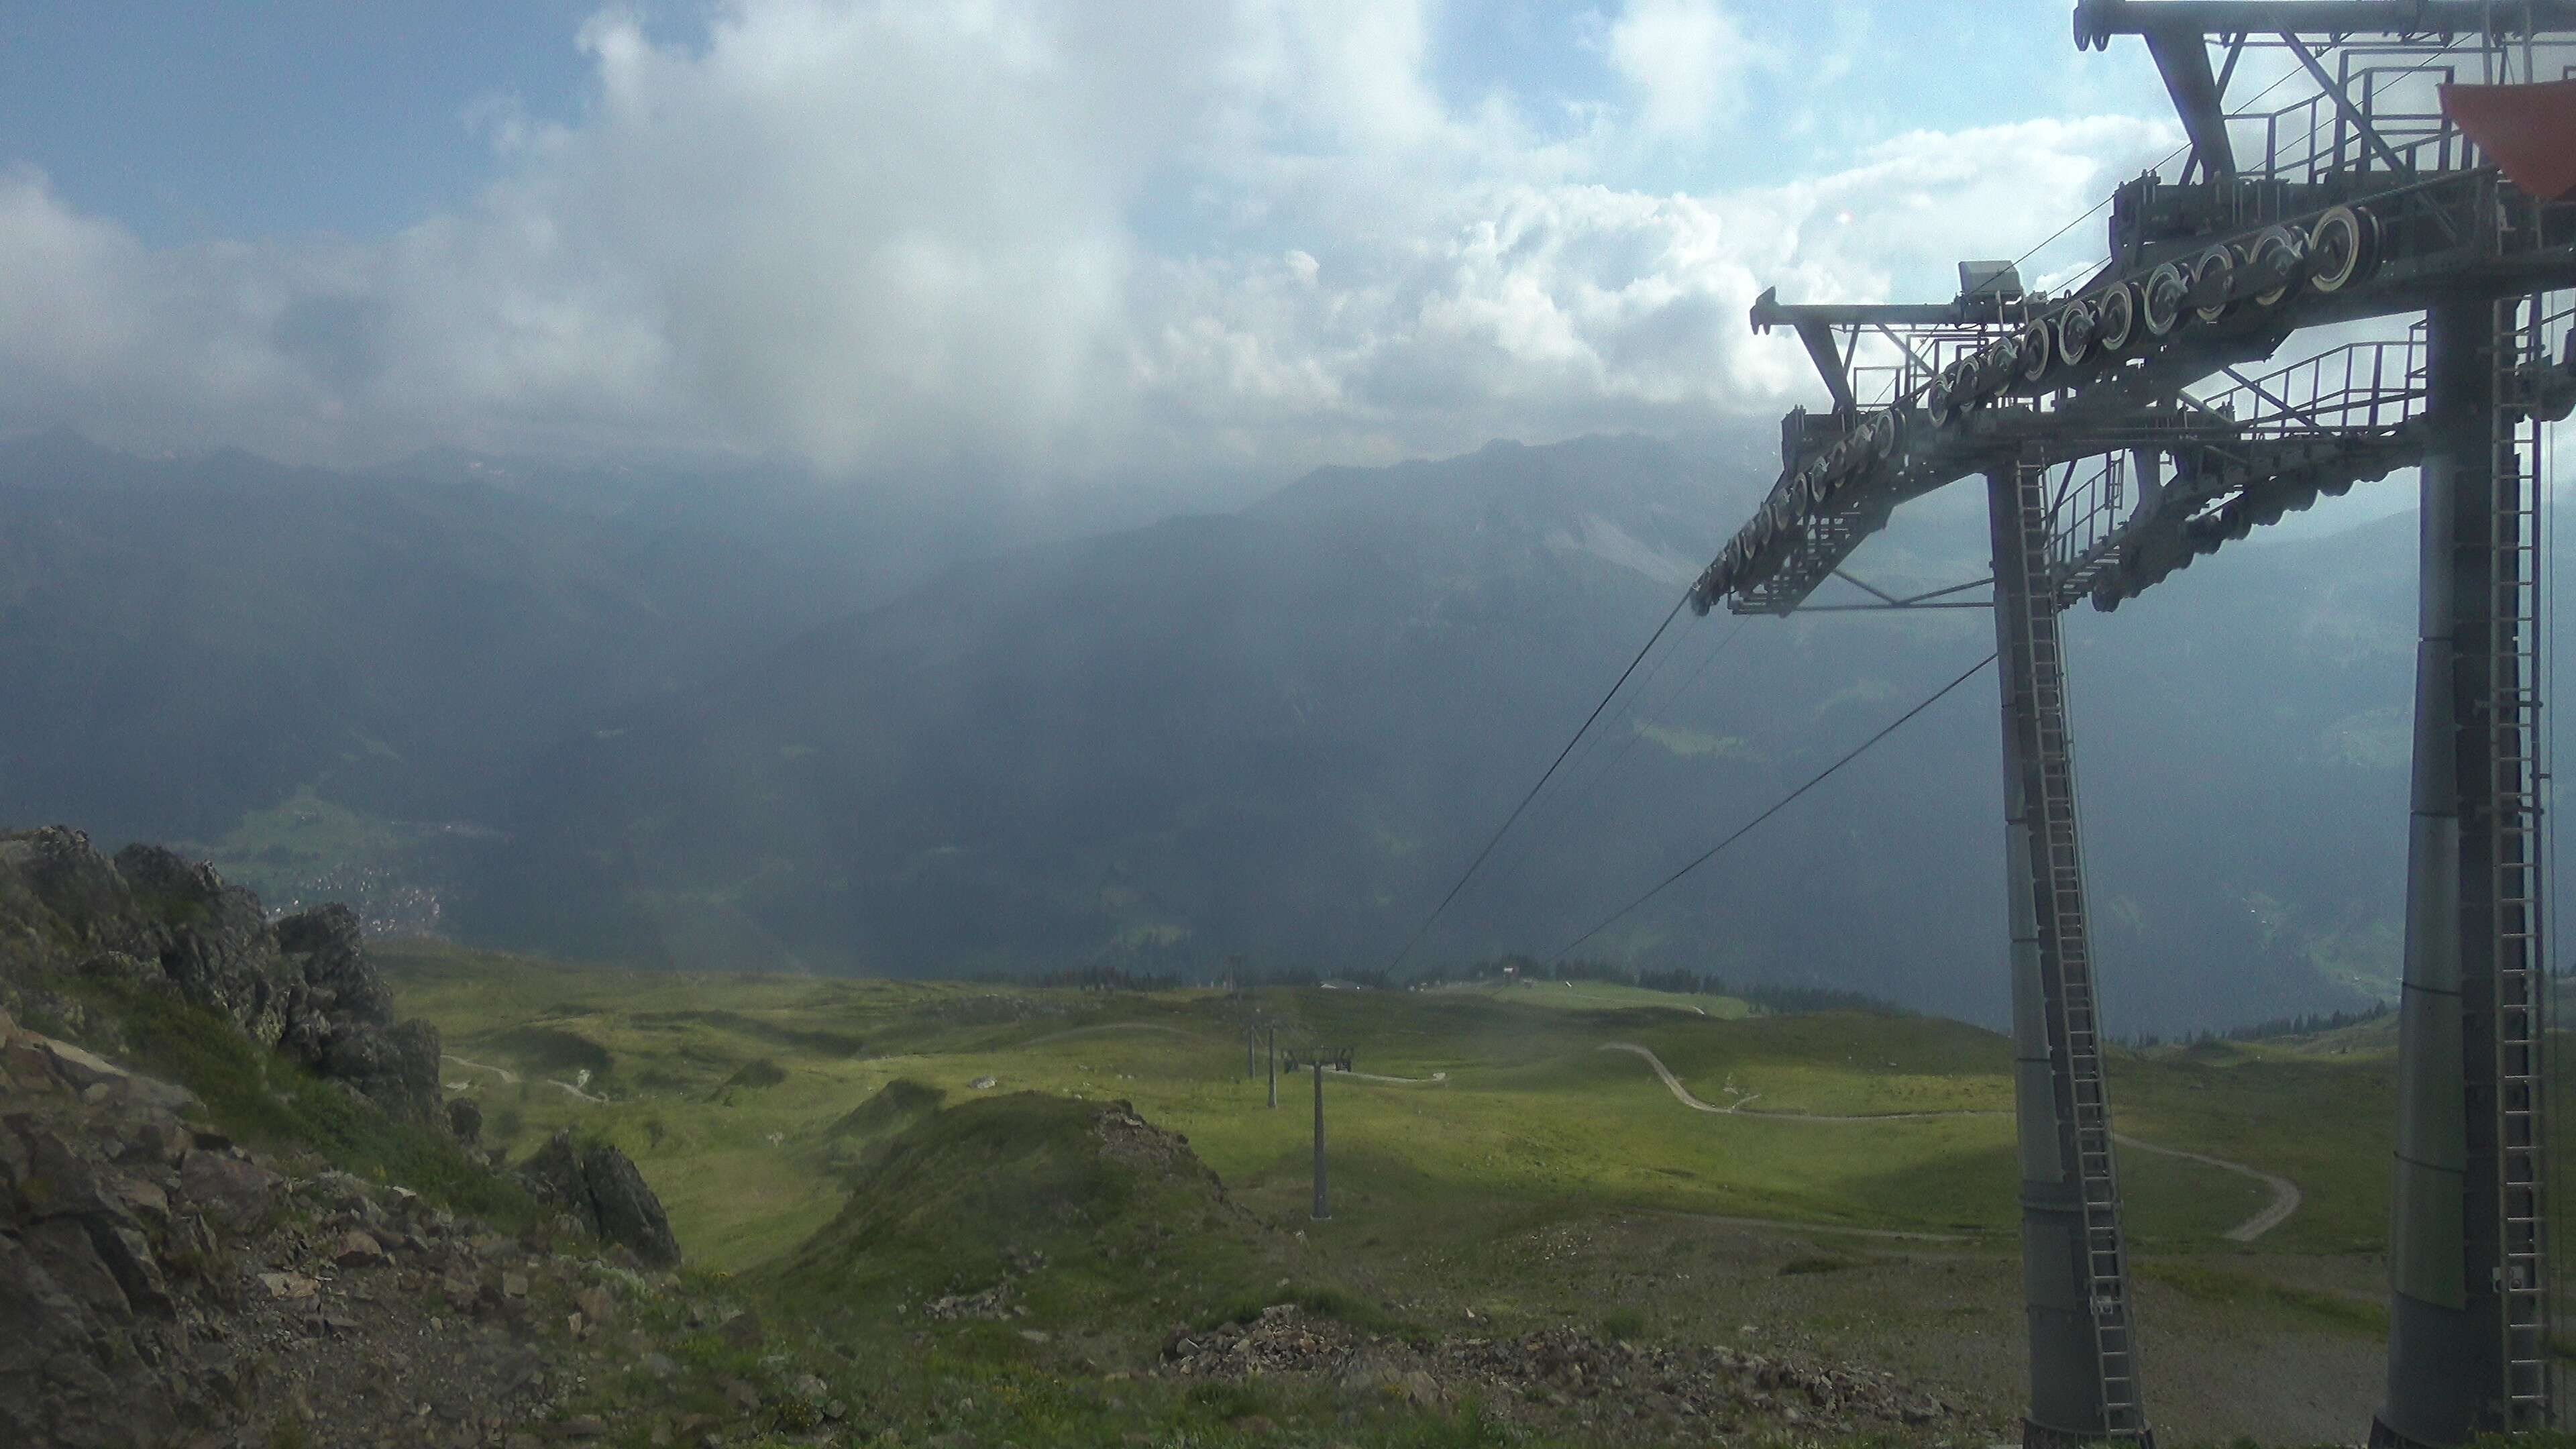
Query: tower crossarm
point(2098, 21)
point(1941, 392)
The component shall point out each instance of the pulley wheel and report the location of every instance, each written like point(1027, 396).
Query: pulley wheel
point(2283, 250)
point(2343, 247)
point(2115, 319)
point(2075, 334)
point(2038, 350)
point(2210, 277)
point(2160, 305)
point(1879, 437)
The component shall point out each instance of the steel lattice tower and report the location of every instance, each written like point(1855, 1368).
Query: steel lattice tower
point(2430, 171)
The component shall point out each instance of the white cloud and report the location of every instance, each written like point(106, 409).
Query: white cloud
point(880, 235)
point(1684, 57)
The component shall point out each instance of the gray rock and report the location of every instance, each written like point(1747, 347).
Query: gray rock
point(63, 1378)
point(212, 940)
point(56, 1182)
point(395, 1066)
point(327, 947)
point(226, 1188)
point(84, 896)
point(601, 1187)
point(71, 1260)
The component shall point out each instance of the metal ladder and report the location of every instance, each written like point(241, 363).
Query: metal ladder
point(2517, 780)
point(2064, 938)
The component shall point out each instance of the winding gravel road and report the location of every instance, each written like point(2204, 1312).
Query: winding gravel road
point(2285, 1193)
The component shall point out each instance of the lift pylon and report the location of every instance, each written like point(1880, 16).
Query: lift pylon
point(2084, 1372)
point(2125, 427)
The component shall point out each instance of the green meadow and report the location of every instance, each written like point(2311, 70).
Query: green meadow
point(1503, 1153)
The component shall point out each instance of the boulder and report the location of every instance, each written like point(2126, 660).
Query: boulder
point(228, 1189)
point(396, 1067)
point(63, 1378)
point(328, 949)
point(601, 1187)
point(72, 1262)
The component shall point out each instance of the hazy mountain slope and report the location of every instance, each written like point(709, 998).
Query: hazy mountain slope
point(1161, 740)
point(188, 641)
point(1279, 734)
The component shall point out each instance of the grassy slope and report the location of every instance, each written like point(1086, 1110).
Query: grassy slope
point(1533, 1113)
point(1545, 1180)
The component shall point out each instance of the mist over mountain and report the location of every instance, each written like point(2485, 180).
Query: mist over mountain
point(1279, 734)
point(193, 641)
point(651, 719)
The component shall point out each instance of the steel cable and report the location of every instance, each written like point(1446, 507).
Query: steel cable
point(1469, 874)
point(1776, 807)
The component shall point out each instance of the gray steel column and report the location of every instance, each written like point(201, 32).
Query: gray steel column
point(1322, 1209)
point(2446, 1332)
point(2066, 1364)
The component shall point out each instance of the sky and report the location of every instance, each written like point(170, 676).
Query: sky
point(1071, 242)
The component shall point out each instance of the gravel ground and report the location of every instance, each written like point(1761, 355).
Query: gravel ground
point(1945, 1317)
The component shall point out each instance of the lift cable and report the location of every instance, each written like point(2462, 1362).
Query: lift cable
point(2185, 149)
point(1424, 929)
point(1591, 782)
point(1602, 760)
point(1776, 807)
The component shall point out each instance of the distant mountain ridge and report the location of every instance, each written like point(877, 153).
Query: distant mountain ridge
point(1277, 735)
point(673, 727)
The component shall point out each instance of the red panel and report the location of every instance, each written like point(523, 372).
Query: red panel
point(2528, 130)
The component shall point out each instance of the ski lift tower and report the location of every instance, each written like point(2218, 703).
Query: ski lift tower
point(2424, 167)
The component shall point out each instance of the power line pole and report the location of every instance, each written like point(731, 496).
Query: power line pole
point(1274, 1066)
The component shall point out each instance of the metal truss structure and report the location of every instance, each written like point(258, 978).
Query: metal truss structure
point(2130, 423)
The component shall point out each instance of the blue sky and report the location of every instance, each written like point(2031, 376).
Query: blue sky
point(1040, 238)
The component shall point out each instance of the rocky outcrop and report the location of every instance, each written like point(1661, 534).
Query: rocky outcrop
point(211, 940)
point(102, 1234)
point(600, 1187)
point(329, 951)
point(152, 917)
point(161, 1286)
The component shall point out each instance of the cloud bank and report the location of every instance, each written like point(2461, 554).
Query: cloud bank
point(1050, 240)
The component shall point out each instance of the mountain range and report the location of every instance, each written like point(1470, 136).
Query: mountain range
point(737, 720)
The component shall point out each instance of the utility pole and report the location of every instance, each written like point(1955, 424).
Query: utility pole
point(1339, 1059)
point(1274, 1066)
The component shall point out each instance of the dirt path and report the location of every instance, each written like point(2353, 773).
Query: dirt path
point(511, 1078)
point(1118, 1026)
point(1695, 1104)
point(1203, 1036)
point(2285, 1193)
